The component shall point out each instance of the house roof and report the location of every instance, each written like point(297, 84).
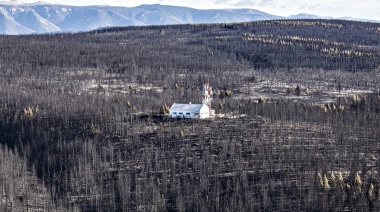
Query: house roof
point(186, 107)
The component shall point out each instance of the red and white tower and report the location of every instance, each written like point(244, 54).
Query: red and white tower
point(207, 97)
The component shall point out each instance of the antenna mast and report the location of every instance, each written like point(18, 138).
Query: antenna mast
point(207, 96)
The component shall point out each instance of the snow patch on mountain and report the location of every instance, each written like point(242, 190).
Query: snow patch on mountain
point(9, 26)
point(35, 22)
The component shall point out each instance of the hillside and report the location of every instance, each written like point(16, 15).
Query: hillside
point(40, 17)
point(297, 124)
point(49, 18)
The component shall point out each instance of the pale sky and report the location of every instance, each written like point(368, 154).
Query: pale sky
point(369, 9)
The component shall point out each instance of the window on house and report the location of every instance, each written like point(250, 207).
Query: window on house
point(197, 114)
point(180, 113)
point(188, 114)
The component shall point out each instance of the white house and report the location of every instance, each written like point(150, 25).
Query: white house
point(189, 111)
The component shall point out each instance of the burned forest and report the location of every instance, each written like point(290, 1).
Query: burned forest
point(84, 124)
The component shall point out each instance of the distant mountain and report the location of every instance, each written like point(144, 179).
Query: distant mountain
point(308, 16)
point(40, 17)
point(359, 19)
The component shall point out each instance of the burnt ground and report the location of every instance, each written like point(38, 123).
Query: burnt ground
point(83, 124)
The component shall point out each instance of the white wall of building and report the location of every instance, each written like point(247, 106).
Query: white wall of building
point(204, 112)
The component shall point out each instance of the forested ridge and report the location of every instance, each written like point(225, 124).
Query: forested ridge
point(83, 124)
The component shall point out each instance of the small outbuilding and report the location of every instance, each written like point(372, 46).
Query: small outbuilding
point(189, 111)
